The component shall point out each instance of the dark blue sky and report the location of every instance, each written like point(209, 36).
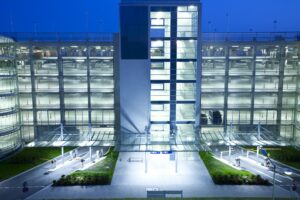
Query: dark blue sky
point(102, 15)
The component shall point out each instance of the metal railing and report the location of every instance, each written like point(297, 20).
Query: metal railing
point(250, 36)
point(59, 36)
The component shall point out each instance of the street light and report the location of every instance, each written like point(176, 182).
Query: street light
point(265, 153)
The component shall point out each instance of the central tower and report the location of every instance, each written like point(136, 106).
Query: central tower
point(160, 70)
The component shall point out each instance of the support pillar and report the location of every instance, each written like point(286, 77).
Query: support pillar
point(258, 131)
point(146, 163)
point(176, 162)
point(62, 155)
point(61, 139)
point(229, 156)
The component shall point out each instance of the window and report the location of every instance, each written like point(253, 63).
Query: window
point(157, 86)
point(157, 65)
point(157, 107)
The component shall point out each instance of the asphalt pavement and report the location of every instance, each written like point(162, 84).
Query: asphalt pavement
point(43, 175)
point(285, 176)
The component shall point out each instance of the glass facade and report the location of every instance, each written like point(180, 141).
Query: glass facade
point(201, 85)
point(250, 83)
point(10, 137)
point(173, 56)
point(70, 84)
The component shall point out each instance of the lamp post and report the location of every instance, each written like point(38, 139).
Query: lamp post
point(264, 152)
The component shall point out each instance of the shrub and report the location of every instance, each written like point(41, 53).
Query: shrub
point(224, 174)
point(100, 174)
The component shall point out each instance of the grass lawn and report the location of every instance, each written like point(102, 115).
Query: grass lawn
point(287, 155)
point(223, 174)
point(99, 174)
point(26, 159)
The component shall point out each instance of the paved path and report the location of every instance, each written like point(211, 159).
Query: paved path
point(256, 164)
point(131, 181)
point(36, 178)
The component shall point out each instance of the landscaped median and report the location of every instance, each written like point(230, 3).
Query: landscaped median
point(99, 174)
point(224, 174)
point(26, 159)
point(287, 154)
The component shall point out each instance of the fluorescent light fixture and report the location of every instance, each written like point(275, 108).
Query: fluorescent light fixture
point(58, 143)
point(192, 7)
point(159, 15)
point(79, 60)
point(289, 173)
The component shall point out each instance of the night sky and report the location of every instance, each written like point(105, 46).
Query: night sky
point(102, 15)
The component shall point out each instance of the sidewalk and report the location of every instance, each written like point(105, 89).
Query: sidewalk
point(37, 178)
point(131, 181)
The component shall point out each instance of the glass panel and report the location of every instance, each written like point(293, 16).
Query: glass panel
point(239, 100)
point(160, 71)
point(102, 100)
point(75, 67)
point(47, 101)
point(160, 91)
point(239, 83)
point(186, 49)
point(266, 83)
point(186, 70)
point(213, 83)
point(185, 112)
point(161, 115)
point(213, 67)
point(160, 24)
point(187, 22)
point(46, 67)
point(160, 49)
point(240, 51)
point(212, 100)
point(101, 51)
point(44, 52)
point(74, 51)
point(185, 91)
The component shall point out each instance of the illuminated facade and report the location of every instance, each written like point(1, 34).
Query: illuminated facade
point(158, 85)
point(162, 46)
point(253, 81)
point(10, 137)
point(70, 83)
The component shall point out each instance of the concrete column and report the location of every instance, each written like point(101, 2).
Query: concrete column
point(176, 162)
point(173, 71)
point(280, 87)
point(226, 88)
point(61, 86)
point(258, 131)
point(62, 138)
point(253, 85)
point(33, 91)
point(146, 163)
point(89, 85)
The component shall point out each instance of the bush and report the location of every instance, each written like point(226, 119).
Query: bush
point(223, 174)
point(100, 174)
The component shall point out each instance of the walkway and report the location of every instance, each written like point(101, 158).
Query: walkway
point(131, 181)
point(37, 178)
